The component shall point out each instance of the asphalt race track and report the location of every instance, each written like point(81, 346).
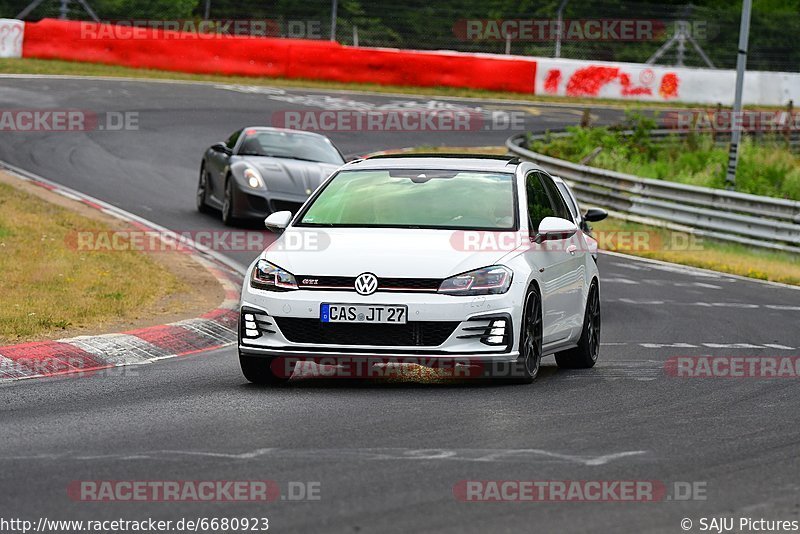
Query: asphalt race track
point(387, 457)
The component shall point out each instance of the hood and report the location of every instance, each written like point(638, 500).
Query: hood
point(291, 176)
point(400, 253)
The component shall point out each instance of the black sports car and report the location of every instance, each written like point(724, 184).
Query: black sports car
point(261, 170)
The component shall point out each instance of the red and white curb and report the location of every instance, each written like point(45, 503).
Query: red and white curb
point(88, 354)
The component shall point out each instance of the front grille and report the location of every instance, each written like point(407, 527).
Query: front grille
point(325, 282)
point(285, 205)
point(412, 334)
point(430, 285)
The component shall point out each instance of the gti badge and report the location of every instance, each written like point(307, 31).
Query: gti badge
point(366, 284)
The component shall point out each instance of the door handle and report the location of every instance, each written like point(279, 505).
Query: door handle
point(571, 249)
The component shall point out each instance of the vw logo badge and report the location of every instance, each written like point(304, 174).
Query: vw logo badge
point(366, 284)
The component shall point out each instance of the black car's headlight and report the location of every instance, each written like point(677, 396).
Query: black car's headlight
point(271, 277)
point(253, 178)
point(486, 281)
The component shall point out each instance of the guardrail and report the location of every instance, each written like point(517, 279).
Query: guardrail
point(753, 220)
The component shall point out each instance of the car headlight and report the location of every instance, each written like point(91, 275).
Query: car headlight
point(486, 281)
point(271, 277)
point(253, 178)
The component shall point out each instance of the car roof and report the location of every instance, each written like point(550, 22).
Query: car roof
point(479, 162)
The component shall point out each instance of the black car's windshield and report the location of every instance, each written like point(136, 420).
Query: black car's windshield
point(408, 198)
point(289, 145)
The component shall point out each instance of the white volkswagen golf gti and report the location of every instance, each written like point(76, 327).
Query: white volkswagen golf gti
point(473, 261)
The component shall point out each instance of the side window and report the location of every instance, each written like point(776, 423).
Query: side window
point(539, 205)
point(573, 209)
point(231, 142)
point(560, 208)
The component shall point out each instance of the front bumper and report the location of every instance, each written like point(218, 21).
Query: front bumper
point(473, 319)
point(258, 203)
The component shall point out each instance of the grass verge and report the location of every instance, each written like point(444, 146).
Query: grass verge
point(48, 289)
point(768, 167)
point(73, 68)
point(678, 247)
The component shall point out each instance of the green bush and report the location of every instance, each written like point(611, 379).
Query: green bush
point(767, 167)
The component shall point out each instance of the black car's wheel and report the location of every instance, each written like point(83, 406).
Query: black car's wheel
point(259, 371)
point(585, 354)
point(202, 191)
point(228, 204)
point(530, 338)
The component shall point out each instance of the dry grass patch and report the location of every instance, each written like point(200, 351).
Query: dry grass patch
point(49, 289)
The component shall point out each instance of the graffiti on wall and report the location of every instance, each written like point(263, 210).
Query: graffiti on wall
point(591, 80)
point(10, 38)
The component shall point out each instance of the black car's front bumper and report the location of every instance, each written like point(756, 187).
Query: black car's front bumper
point(255, 204)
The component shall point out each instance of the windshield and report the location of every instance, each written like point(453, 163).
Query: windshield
point(404, 198)
point(289, 145)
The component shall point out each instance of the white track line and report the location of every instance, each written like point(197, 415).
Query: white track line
point(686, 269)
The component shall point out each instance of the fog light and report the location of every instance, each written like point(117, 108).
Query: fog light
point(498, 328)
point(496, 333)
point(255, 323)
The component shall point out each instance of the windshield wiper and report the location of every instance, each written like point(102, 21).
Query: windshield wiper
point(298, 158)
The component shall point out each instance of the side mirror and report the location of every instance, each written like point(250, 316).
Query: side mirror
point(595, 214)
point(278, 221)
point(552, 228)
point(222, 148)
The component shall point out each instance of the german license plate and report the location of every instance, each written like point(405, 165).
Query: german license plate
point(359, 313)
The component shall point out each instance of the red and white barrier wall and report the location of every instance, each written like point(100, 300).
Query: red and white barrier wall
point(11, 32)
point(633, 81)
point(323, 60)
point(285, 58)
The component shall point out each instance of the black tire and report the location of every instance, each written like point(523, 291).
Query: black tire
point(202, 191)
point(530, 339)
point(585, 355)
point(228, 204)
point(259, 371)
point(526, 368)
